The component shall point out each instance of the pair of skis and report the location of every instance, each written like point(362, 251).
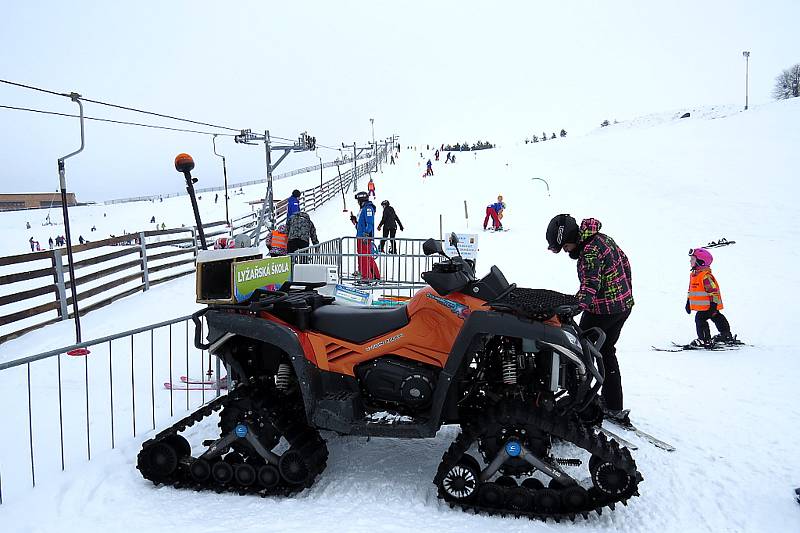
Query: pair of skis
point(716, 347)
point(658, 443)
point(187, 384)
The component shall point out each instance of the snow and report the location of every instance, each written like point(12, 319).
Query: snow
point(660, 185)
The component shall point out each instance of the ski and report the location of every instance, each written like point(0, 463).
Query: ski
point(191, 387)
point(194, 381)
point(658, 443)
point(718, 347)
point(622, 442)
point(722, 242)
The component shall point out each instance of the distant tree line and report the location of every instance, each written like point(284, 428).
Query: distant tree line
point(465, 146)
point(787, 84)
point(536, 138)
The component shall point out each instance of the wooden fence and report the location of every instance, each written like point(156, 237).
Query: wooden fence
point(124, 265)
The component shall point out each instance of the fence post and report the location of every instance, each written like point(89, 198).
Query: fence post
point(60, 287)
point(143, 256)
point(194, 240)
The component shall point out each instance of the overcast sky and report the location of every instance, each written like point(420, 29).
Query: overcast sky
point(428, 71)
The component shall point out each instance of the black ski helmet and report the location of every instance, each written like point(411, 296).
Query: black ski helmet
point(296, 193)
point(385, 203)
point(361, 197)
point(562, 229)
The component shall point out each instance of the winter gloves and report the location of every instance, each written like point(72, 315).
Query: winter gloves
point(688, 309)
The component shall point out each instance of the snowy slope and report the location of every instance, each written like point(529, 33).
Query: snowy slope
point(659, 189)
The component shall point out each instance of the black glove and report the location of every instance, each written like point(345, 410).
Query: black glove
point(688, 309)
point(353, 219)
point(713, 308)
point(401, 228)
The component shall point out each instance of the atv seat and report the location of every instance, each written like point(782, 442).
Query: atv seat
point(357, 324)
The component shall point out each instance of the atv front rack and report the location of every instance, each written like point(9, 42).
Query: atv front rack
point(537, 304)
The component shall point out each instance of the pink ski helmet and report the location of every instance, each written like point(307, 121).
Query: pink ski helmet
point(703, 256)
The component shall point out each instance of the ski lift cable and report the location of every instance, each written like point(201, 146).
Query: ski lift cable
point(98, 102)
point(123, 122)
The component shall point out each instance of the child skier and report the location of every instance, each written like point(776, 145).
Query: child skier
point(495, 212)
point(371, 188)
point(705, 298)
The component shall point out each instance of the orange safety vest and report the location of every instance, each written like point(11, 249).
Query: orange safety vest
point(699, 300)
point(279, 240)
point(371, 185)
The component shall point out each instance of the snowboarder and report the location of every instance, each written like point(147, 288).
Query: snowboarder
point(278, 241)
point(494, 211)
point(365, 231)
point(371, 188)
point(293, 204)
point(300, 230)
point(705, 298)
point(389, 223)
point(605, 294)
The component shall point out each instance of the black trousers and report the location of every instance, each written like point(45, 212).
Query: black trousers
point(612, 327)
point(296, 244)
point(701, 324)
point(391, 233)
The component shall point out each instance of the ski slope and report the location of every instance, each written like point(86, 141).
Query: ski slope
point(660, 186)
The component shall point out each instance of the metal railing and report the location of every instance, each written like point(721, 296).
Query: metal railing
point(400, 273)
point(118, 389)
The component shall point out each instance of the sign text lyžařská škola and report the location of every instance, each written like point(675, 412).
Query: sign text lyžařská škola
point(268, 273)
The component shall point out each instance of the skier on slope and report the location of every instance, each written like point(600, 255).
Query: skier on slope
point(495, 212)
point(389, 222)
point(429, 171)
point(371, 188)
point(705, 298)
point(365, 231)
point(605, 294)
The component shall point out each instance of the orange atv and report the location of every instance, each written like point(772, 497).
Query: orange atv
point(508, 365)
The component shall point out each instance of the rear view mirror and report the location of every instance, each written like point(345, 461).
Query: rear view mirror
point(432, 246)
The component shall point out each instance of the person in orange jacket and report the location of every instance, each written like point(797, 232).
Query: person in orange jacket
point(705, 298)
point(371, 188)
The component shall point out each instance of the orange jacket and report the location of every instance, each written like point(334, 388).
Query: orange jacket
point(703, 289)
point(279, 240)
point(371, 185)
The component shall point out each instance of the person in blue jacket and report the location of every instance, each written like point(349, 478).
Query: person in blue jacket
point(293, 204)
point(365, 231)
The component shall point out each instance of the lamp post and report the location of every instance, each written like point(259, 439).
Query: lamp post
point(225, 176)
point(746, 55)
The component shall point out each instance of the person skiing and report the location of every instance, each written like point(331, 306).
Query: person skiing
point(81, 239)
point(33, 246)
point(27, 225)
point(293, 204)
point(447, 159)
point(365, 231)
point(391, 160)
point(429, 171)
point(300, 230)
point(605, 294)
point(495, 212)
point(436, 154)
point(50, 242)
point(153, 219)
point(389, 223)
point(705, 298)
point(371, 187)
point(216, 197)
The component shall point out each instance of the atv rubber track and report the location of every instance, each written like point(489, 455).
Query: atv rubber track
point(578, 434)
point(299, 436)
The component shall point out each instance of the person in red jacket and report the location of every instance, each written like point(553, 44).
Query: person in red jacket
point(705, 298)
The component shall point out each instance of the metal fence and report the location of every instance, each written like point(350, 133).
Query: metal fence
point(60, 410)
point(400, 273)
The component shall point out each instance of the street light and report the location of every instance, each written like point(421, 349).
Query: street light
point(746, 55)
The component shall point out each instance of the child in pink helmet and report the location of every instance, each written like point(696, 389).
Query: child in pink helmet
point(705, 298)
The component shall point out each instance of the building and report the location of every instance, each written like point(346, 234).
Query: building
point(33, 200)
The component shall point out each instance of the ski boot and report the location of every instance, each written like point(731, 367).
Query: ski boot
point(621, 417)
point(725, 338)
point(702, 343)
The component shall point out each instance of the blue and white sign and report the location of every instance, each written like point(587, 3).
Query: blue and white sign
point(467, 245)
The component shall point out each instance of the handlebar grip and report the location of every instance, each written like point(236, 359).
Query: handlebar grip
point(198, 327)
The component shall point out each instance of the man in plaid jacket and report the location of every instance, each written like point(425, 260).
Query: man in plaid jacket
point(605, 294)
